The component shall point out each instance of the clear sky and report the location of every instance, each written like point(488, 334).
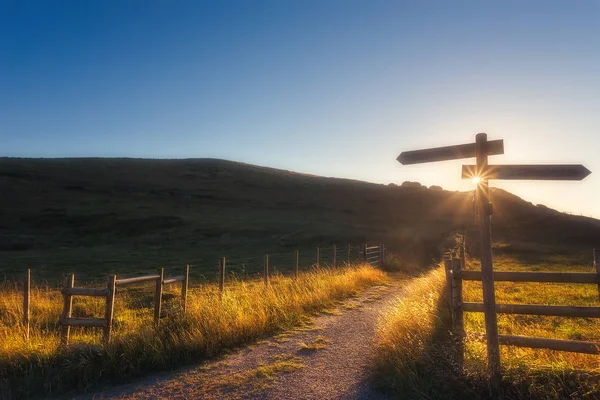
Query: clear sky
point(335, 88)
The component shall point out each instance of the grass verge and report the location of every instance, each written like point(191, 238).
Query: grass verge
point(246, 312)
point(416, 356)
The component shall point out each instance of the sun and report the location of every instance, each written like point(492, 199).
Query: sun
point(476, 180)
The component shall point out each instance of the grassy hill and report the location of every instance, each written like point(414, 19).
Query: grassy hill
point(97, 216)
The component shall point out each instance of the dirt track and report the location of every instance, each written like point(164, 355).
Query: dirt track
point(327, 360)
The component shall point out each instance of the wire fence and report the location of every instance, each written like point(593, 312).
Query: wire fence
point(243, 268)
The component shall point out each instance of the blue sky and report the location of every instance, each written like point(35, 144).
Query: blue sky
point(335, 88)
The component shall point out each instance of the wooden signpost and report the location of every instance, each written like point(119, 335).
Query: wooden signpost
point(481, 149)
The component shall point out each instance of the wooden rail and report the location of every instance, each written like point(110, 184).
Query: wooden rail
point(535, 309)
point(174, 279)
point(574, 346)
point(541, 277)
point(137, 279)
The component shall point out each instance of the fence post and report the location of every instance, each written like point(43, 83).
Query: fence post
point(296, 257)
point(458, 328)
point(597, 265)
point(317, 257)
point(357, 253)
point(184, 287)
point(334, 254)
point(365, 253)
point(158, 296)
point(110, 307)
point(381, 255)
point(26, 299)
point(482, 194)
point(222, 263)
point(448, 268)
point(348, 255)
point(266, 262)
point(463, 251)
point(67, 308)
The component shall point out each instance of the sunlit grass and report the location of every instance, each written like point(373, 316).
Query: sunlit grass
point(538, 326)
point(246, 312)
point(416, 354)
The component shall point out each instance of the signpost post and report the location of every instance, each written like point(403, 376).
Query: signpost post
point(481, 149)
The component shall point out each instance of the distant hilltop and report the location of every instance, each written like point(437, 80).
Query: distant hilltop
point(104, 210)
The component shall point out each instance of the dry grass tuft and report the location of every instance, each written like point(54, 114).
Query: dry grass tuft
point(319, 343)
point(246, 313)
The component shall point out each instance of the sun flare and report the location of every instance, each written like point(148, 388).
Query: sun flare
point(476, 180)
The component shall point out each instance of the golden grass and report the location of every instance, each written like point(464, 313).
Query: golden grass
point(538, 326)
point(416, 353)
point(246, 312)
point(412, 353)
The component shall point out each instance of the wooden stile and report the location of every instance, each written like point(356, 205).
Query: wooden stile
point(110, 307)
point(26, 301)
point(158, 296)
point(296, 258)
point(266, 273)
point(67, 309)
point(184, 287)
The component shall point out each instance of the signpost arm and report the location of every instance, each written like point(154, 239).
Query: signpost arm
point(487, 276)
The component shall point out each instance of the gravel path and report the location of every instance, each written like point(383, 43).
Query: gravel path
point(328, 359)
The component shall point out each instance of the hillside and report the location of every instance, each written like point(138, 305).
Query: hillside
point(108, 215)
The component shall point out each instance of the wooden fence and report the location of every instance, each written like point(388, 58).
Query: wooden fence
point(455, 275)
point(67, 321)
point(373, 255)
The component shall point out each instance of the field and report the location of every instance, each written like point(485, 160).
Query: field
point(423, 362)
point(94, 217)
point(246, 313)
